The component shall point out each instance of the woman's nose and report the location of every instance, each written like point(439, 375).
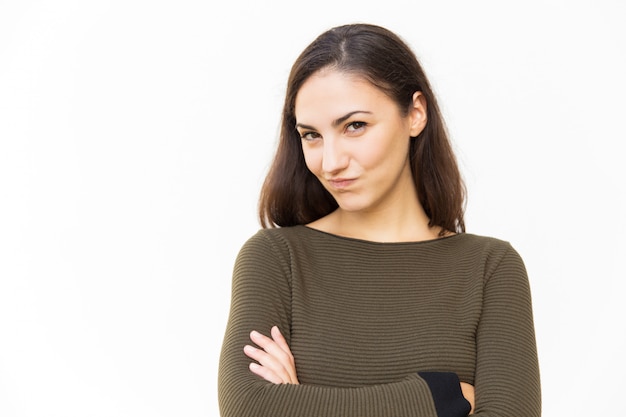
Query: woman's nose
point(334, 158)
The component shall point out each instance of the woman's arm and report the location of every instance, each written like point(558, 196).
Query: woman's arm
point(507, 371)
point(261, 298)
point(276, 363)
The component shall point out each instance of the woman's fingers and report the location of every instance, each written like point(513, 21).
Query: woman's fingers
point(468, 393)
point(265, 373)
point(280, 340)
point(268, 367)
point(282, 344)
point(275, 361)
point(278, 349)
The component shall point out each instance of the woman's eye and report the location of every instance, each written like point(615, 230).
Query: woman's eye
point(309, 136)
point(355, 126)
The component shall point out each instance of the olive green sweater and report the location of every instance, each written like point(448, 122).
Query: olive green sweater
point(363, 318)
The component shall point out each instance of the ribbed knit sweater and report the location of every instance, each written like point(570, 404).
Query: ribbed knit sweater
point(367, 321)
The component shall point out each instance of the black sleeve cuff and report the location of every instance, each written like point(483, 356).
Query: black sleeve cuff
point(446, 390)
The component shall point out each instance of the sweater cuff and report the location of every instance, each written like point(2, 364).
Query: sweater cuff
point(445, 388)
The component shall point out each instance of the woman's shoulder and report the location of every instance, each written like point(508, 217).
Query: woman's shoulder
point(485, 241)
point(279, 233)
point(275, 238)
point(494, 253)
point(488, 244)
point(293, 238)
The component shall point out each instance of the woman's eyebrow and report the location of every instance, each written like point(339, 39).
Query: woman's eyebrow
point(336, 122)
point(347, 116)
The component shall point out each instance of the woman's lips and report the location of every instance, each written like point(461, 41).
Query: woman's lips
point(341, 183)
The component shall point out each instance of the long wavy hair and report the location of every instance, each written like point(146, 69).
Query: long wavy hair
point(291, 195)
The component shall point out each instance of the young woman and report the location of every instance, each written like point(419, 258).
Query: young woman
point(362, 295)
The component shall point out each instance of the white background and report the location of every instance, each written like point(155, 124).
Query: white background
point(134, 136)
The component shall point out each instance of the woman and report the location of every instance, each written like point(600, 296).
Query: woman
point(363, 295)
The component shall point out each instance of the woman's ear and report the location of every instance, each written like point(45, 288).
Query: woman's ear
point(417, 114)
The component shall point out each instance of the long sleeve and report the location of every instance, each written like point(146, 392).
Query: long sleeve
point(507, 371)
point(261, 298)
point(382, 329)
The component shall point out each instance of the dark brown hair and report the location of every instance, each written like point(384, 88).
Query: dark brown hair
point(292, 195)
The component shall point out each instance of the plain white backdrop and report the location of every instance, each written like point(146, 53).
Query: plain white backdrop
point(134, 136)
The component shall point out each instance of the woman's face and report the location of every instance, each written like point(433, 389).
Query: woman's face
point(356, 141)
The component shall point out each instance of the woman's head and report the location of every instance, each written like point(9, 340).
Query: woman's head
point(292, 195)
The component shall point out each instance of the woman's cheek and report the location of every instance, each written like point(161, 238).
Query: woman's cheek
point(313, 161)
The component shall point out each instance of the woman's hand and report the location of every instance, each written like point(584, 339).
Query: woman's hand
point(275, 361)
point(468, 393)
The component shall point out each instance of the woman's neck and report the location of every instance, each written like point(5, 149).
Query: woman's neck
point(399, 224)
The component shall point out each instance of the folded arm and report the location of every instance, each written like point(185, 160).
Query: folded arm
point(261, 298)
